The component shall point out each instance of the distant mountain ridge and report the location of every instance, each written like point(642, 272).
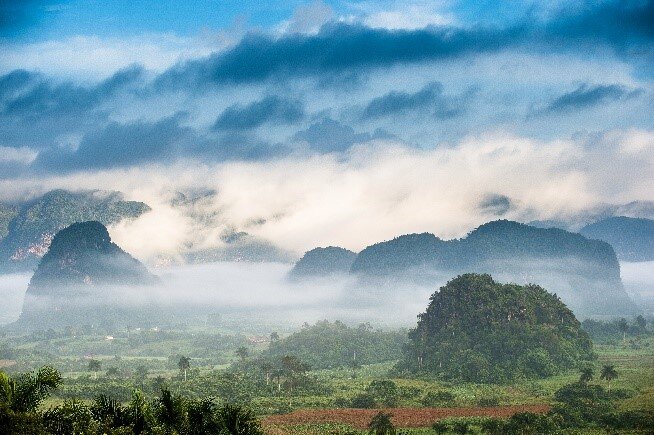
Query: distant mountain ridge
point(324, 261)
point(33, 224)
point(632, 238)
point(584, 273)
point(81, 260)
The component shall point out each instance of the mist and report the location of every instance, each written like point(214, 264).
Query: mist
point(12, 292)
point(259, 292)
point(372, 192)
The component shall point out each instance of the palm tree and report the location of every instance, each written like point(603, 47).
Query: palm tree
point(381, 425)
point(237, 420)
point(586, 375)
point(624, 327)
point(608, 374)
point(184, 364)
point(95, 366)
point(26, 392)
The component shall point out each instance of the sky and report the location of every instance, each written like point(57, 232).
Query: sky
point(329, 122)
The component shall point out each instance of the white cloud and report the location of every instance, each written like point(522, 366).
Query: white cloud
point(378, 191)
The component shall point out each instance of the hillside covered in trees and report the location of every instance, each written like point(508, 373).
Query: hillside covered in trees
point(632, 238)
point(81, 263)
point(330, 345)
point(476, 329)
point(324, 262)
point(30, 226)
point(584, 273)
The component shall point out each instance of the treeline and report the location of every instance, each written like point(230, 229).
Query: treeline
point(21, 397)
point(332, 345)
point(616, 329)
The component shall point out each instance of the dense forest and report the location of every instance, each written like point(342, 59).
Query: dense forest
point(331, 345)
point(476, 329)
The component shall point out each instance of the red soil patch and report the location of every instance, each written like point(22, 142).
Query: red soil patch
point(401, 417)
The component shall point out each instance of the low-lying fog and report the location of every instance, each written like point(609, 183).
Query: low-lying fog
point(262, 290)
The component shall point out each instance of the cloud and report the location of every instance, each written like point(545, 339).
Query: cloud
point(269, 109)
point(35, 110)
point(328, 135)
point(374, 191)
point(119, 145)
point(338, 47)
point(587, 96)
point(429, 98)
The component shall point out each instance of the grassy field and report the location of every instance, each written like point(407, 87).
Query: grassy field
point(148, 362)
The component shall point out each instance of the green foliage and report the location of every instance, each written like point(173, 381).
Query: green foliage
point(477, 330)
point(329, 345)
point(381, 425)
point(439, 399)
point(384, 391)
point(363, 401)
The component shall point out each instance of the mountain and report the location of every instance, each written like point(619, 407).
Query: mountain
point(80, 268)
point(7, 213)
point(323, 262)
point(240, 246)
point(574, 222)
point(632, 238)
point(478, 330)
point(585, 273)
point(32, 226)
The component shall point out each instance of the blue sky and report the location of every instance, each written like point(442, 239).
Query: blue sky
point(550, 102)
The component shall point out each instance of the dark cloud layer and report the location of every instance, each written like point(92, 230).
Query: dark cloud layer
point(340, 47)
point(329, 136)
point(35, 110)
point(429, 99)
point(587, 96)
point(255, 114)
point(119, 145)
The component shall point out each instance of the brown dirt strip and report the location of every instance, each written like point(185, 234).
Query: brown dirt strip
point(401, 417)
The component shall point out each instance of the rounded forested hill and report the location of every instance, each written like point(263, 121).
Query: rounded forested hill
point(478, 330)
point(323, 262)
point(83, 254)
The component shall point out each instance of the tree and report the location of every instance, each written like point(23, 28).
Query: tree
point(461, 428)
point(242, 352)
point(26, 392)
point(624, 327)
point(274, 337)
point(293, 370)
point(586, 375)
point(384, 391)
point(608, 374)
point(440, 428)
point(170, 411)
point(381, 425)
point(184, 364)
point(95, 366)
point(237, 420)
point(641, 323)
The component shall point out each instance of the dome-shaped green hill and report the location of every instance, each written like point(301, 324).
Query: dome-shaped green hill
point(476, 329)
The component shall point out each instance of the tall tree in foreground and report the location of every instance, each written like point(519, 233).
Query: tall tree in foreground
point(608, 374)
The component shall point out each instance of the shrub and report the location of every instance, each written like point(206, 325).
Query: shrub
point(439, 398)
